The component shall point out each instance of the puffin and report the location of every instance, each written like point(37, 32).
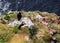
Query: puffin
point(19, 16)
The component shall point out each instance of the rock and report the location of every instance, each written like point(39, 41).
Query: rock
point(38, 16)
point(14, 23)
point(25, 20)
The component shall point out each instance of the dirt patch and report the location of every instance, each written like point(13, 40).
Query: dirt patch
point(18, 38)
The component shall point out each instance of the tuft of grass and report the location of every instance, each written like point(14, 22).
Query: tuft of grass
point(5, 34)
point(26, 29)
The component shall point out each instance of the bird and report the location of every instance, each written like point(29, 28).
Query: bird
point(19, 16)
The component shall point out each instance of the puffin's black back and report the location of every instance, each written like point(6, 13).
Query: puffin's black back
point(19, 16)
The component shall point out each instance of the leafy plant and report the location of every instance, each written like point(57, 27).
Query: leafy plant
point(26, 29)
point(15, 29)
point(7, 17)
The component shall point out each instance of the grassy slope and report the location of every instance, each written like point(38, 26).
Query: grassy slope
point(42, 30)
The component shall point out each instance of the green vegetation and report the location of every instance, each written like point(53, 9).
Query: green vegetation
point(5, 34)
point(7, 17)
point(26, 30)
point(15, 29)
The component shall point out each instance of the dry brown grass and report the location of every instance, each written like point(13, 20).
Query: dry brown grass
point(18, 39)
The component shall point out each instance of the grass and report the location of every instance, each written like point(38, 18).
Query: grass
point(5, 34)
point(42, 35)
